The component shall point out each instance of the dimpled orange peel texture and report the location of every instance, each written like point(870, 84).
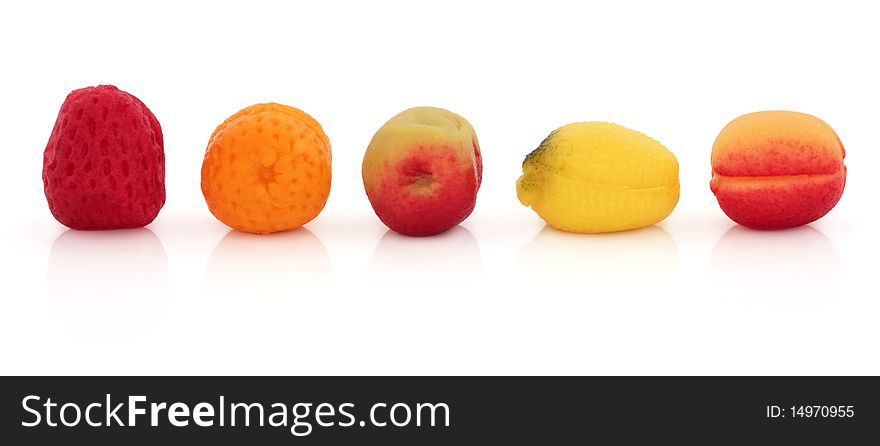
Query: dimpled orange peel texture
point(267, 169)
point(777, 169)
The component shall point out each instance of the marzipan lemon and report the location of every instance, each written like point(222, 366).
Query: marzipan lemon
point(592, 177)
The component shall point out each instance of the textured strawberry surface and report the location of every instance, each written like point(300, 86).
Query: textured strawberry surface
point(104, 165)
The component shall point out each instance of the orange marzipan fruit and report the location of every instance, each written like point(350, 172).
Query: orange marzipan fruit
point(267, 169)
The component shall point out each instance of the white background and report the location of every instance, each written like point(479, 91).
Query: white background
point(501, 294)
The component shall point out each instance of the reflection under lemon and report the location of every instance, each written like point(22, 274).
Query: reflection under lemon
point(646, 257)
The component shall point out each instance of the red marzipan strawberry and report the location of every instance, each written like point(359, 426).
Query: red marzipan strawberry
point(104, 165)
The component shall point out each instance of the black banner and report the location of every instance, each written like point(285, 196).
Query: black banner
point(440, 410)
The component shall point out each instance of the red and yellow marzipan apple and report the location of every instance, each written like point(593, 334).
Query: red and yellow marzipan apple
point(777, 169)
point(422, 171)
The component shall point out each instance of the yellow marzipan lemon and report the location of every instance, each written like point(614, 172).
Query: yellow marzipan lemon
point(592, 177)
